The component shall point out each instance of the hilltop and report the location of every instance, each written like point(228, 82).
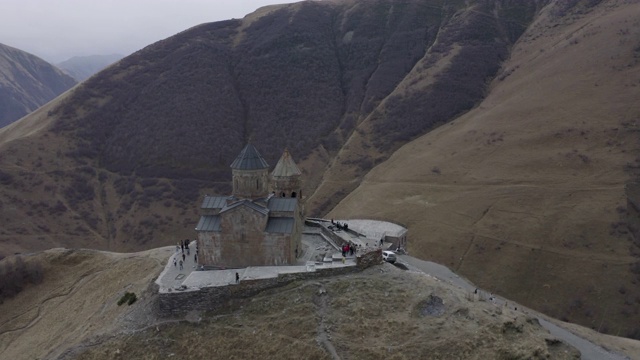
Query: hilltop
point(26, 83)
point(381, 312)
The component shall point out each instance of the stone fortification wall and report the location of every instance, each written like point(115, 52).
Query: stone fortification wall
point(323, 226)
point(214, 298)
point(369, 259)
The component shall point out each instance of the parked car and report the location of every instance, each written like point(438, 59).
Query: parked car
point(389, 256)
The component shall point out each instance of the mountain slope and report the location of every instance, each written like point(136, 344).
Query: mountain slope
point(124, 157)
point(82, 67)
point(26, 83)
point(525, 194)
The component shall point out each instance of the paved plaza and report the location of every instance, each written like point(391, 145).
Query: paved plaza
point(317, 252)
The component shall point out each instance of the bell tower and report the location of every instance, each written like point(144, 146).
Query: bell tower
point(285, 178)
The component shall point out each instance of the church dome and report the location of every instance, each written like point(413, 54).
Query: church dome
point(249, 159)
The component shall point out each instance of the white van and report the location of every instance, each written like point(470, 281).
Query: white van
point(389, 256)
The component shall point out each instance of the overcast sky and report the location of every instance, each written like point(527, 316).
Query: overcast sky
point(56, 30)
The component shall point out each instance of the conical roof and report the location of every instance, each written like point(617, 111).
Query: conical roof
point(286, 166)
point(249, 159)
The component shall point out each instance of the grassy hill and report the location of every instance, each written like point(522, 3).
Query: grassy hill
point(383, 312)
point(26, 83)
point(380, 313)
point(76, 301)
point(502, 132)
point(525, 194)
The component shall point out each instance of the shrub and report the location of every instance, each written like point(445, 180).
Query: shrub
point(5, 178)
point(128, 298)
point(15, 274)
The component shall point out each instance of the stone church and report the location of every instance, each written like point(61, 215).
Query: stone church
point(260, 223)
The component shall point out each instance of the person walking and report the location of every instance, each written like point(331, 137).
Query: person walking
point(237, 278)
point(175, 261)
point(184, 257)
point(180, 264)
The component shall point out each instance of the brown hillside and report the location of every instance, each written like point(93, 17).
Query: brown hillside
point(77, 301)
point(26, 83)
point(383, 312)
point(121, 162)
point(525, 194)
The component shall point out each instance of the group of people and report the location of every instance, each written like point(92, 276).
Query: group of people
point(340, 226)
point(176, 262)
point(348, 249)
point(183, 245)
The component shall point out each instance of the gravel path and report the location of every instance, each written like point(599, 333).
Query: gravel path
point(588, 350)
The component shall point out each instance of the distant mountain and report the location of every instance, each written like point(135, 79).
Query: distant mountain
point(82, 67)
point(26, 83)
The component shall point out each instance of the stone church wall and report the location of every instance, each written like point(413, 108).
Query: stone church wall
point(250, 184)
point(214, 298)
point(286, 186)
point(244, 242)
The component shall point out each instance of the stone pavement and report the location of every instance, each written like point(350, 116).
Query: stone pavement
point(174, 279)
point(374, 229)
point(172, 276)
point(371, 231)
point(189, 278)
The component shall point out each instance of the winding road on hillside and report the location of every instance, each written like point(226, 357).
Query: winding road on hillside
point(588, 350)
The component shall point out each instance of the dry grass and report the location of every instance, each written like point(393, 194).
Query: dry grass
point(374, 315)
point(383, 312)
point(76, 301)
